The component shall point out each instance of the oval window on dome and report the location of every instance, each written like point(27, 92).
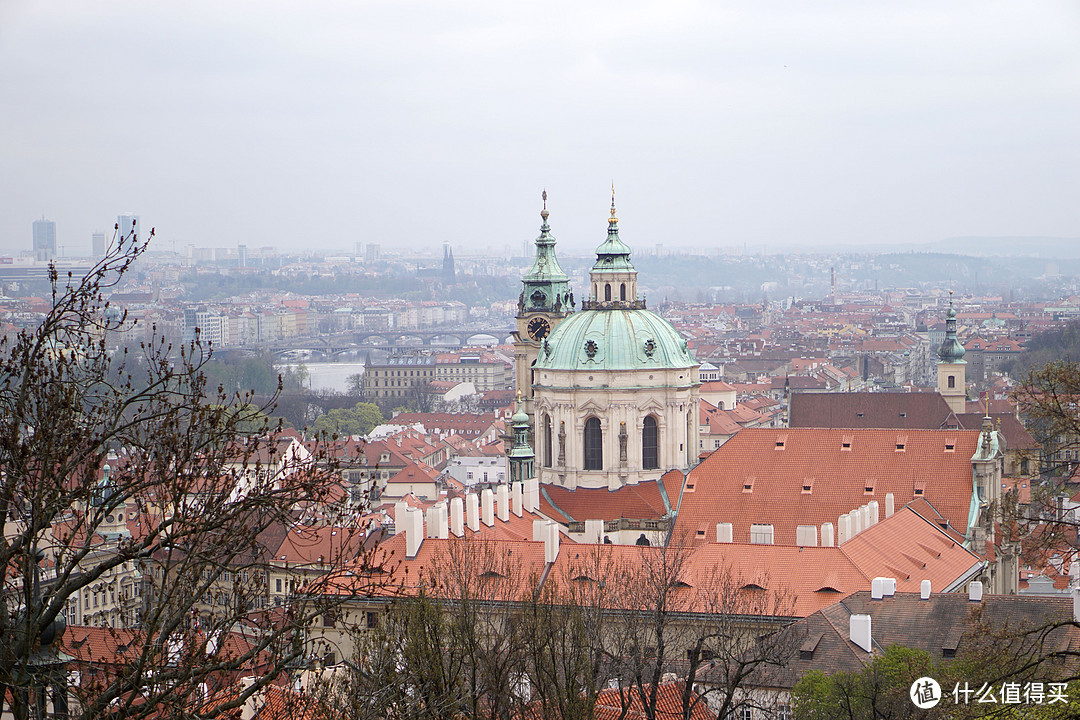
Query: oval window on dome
point(650, 347)
point(591, 348)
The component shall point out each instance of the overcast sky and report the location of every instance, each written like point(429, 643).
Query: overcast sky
point(321, 124)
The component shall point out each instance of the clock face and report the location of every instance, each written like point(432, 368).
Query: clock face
point(539, 328)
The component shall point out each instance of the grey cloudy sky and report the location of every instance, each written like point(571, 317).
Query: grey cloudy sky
point(322, 124)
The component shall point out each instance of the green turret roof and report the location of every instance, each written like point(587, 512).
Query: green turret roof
point(951, 351)
point(613, 255)
point(546, 287)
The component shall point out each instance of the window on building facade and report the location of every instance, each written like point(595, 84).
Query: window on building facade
point(952, 381)
point(547, 441)
point(594, 445)
point(650, 452)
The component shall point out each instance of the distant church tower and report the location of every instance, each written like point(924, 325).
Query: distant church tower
point(544, 301)
point(448, 274)
point(951, 364)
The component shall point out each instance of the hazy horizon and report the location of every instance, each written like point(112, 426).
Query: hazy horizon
point(324, 124)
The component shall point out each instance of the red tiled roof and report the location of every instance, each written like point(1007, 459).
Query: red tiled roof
point(777, 462)
point(636, 502)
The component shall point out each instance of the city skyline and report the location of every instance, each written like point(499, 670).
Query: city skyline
point(329, 125)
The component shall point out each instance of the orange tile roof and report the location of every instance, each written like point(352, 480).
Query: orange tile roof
point(777, 462)
point(637, 502)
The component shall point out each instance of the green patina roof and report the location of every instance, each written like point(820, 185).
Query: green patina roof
point(951, 351)
point(546, 286)
point(614, 339)
point(613, 255)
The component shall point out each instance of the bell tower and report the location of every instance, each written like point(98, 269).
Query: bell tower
point(544, 301)
point(951, 366)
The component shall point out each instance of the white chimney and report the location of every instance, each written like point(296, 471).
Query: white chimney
point(873, 508)
point(538, 530)
point(723, 532)
point(436, 522)
point(502, 494)
point(515, 499)
point(531, 495)
point(255, 701)
point(859, 630)
point(877, 588)
point(551, 542)
point(594, 532)
point(890, 505)
point(924, 590)
point(806, 535)
point(414, 531)
point(864, 517)
point(843, 532)
point(472, 512)
point(890, 587)
point(487, 507)
point(457, 516)
point(1076, 604)
point(856, 521)
point(828, 538)
point(975, 590)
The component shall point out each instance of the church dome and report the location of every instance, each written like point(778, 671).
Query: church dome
point(614, 339)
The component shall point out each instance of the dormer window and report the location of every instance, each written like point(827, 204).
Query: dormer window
point(868, 487)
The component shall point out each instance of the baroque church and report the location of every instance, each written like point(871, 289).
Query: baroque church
point(611, 389)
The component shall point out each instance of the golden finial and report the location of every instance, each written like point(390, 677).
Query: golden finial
point(612, 220)
point(544, 212)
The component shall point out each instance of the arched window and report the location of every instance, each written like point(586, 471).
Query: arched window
point(547, 441)
point(594, 445)
point(622, 291)
point(607, 291)
point(952, 381)
point(650, 436)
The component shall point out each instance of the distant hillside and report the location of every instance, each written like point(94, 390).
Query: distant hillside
point(1039, 247)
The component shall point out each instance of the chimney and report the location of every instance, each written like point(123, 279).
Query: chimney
point(526, 495)
point(975, 590)
point(864, 517)
point(843, 533)
point(924, 590)
point(877, 588)
point(890, 505)
point(472, 512)
point(723, 532)
point(594, 532)
point(255, 701)
point(856, 522)
point(551, 542)
point(457, 521)
point(436, 522)
point(414, 531)
point(487, 507)
point(827, 536)
point(538, 530)
point(859, 630)
point(873, 508)
point(502, 494)
point(1076, 604)
point(534, 493)
point(890, 587)
point(515, 499)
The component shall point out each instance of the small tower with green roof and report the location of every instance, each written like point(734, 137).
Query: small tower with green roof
point(951, 365)
point(613, 279)
point(521, 454)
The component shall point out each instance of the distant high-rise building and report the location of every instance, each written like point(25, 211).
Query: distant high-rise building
point(374, 252)
point(241, 255)
point(127, 223)
point(97, 244)
point(44, 239)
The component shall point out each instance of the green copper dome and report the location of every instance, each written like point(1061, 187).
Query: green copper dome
point(615, 339)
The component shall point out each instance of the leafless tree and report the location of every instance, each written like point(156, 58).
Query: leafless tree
point(123, 476)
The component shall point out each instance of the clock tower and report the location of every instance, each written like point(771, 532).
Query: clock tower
point(544, 301)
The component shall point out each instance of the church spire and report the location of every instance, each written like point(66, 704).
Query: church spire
point(951, 351)
point(545, 288)
point(521, 454)
point(613, 277)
